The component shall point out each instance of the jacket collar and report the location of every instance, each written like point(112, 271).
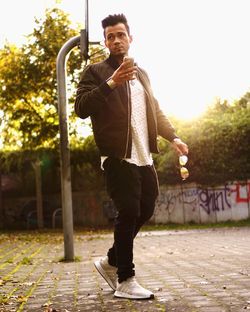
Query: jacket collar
point(112, 61)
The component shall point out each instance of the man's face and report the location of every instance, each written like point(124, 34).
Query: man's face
point(117, 39)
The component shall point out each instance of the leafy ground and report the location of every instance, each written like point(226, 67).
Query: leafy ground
point(31, 261)
point(56, 236)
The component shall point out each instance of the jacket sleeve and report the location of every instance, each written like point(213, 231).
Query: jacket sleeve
point(165, 128)
point(91, 93)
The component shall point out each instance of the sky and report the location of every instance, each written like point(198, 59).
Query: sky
point(194, 50)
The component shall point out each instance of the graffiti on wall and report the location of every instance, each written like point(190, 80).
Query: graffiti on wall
point(209, 200)
point(214, 199)
point(242, 192)
point(168, 200)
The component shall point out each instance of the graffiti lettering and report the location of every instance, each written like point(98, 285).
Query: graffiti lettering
point(214, 199)
point(173, 199)
point(242, 192)
point(187, 201)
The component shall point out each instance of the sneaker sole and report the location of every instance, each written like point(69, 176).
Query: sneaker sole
point(104, 275)
point(120, 294)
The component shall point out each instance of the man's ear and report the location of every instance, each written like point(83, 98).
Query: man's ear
point(130, 38)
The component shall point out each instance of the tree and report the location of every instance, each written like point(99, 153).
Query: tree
point(219, 146)
point(28, 94)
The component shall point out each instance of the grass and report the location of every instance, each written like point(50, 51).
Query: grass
point(26, 261)
point(193, 226)
point(76, 259)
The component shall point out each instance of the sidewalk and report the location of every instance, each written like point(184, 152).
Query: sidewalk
point(189, 271)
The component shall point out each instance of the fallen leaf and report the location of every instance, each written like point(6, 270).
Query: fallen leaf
point(27, 284)
point(22, 299)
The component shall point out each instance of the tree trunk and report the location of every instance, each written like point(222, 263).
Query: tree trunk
point(1, 204)
point(39, 200)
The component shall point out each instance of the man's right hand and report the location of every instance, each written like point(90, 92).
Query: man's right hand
point(124, 73)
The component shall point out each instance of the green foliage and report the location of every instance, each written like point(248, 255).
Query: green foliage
point(85, 168)
point(223, 149)
point(193, 225)
point(28, 93)
point(86, 172)
point(219, 146)
point(18, 161)
point(97, 53)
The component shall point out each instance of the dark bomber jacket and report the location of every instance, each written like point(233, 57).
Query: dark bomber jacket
point(110, 110)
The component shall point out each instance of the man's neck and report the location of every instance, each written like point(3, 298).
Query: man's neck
point(118, 58)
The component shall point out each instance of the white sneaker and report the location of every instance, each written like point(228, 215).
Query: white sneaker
point(130, 289)
point(107, 271)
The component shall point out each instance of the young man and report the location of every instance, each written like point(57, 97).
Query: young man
point(126, 121)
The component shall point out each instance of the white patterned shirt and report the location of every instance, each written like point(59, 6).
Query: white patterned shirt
point(140, 153)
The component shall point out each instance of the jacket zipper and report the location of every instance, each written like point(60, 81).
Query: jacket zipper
point(129, 118)
point(149, 103)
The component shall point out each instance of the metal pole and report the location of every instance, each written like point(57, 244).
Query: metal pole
point(64, 147)
point(84, 41)
point(86, 55)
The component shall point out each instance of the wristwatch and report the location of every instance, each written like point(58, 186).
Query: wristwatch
point(111, 83)
point(176, 140)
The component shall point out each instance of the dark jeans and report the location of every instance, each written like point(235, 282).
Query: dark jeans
point(134, 191)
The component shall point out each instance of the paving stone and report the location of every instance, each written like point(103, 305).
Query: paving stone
point(189, 271)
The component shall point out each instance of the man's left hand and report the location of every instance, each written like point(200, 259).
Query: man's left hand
point(180, 147)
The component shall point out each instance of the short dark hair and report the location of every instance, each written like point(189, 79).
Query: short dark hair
point(112, 20)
